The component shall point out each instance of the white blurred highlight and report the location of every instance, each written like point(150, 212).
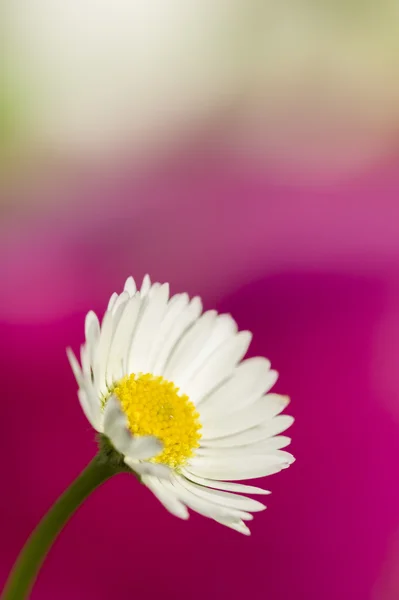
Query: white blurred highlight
point(297, 83)
point(100, 75)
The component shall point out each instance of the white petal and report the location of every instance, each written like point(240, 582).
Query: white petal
point(85, 404)
point(86, 362)
point(232, 453)
point(143, 447)
point(202, 346)
point(277, 425)
point(143, 468)
point(176, 306)
point(147, 328)
point(112, 301)
point(236, 525)
point(225, 485)
point(91, 408)
point(250, 380)
point(219, 367)
point(154, 287)
point(145, 286)
point(75, 366)
point(262, 410)
point(88, 399)
point(191, 349)
point(259, 448)
point(240, 468)
point(250, 436)
point(204, 507)
point(245, 453)
point(101, 354)
point(92, 335)
point(118, 307)
point(116, 428)
point(223, 328)
point(92, 328)
point(244, 438)
point(275, 443)
point(121, 340)
point(226, 499)
point(165, 496)
point(182, 324)
point(283, 455)
point(130, 286)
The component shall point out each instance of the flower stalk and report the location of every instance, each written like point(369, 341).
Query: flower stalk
point(33, 554)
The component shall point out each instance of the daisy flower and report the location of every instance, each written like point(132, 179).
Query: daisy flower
point(166, 386)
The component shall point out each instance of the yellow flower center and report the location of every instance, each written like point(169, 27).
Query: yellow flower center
point(153, 406)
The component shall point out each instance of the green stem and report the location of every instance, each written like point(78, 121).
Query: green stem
point(38, 544)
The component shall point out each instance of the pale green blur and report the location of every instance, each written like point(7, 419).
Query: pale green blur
point(88, 79)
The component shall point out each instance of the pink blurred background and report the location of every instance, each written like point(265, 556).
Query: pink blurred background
point(311, 267)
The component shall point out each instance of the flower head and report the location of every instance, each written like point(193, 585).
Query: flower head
point(167, 386)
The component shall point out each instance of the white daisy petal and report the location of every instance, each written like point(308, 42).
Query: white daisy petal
point(224, 485)
point(130, 286)
point(275, 443)
point(165, 496)
point(283, 455)
point(176, 306)
point(118, 307)
point(116, 428)
point(91, 408)
point(238, 440)
point(179, 329)
point(148, 468)
point(145, 286)
point(154, 287)
point(85, 404)
point(87, 397)
point(73, 361)
point(264, 409)
point(147, 329)
point(259, 433)
point(92, 335)
point(208, 341)
point(190, 350)
point(225, 328)
point(226, 499)
point(236, 525)
point(85, 360)
point(92, 328)
point(261, 448)
point(231, 452)
point(222, 328)
point(277, 425)
point(142, 447)
point(218, 367)
point(202, 506)
point(101, 354)
point(112, 301)
point(250, 380)
point(240, 468)
point(121, 340)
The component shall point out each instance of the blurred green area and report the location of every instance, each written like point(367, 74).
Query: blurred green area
point(63, 81)
point(11, 126)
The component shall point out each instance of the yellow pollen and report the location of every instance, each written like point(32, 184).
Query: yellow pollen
point(153, 406)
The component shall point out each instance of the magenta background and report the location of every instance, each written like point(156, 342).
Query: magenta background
point(313, 271)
